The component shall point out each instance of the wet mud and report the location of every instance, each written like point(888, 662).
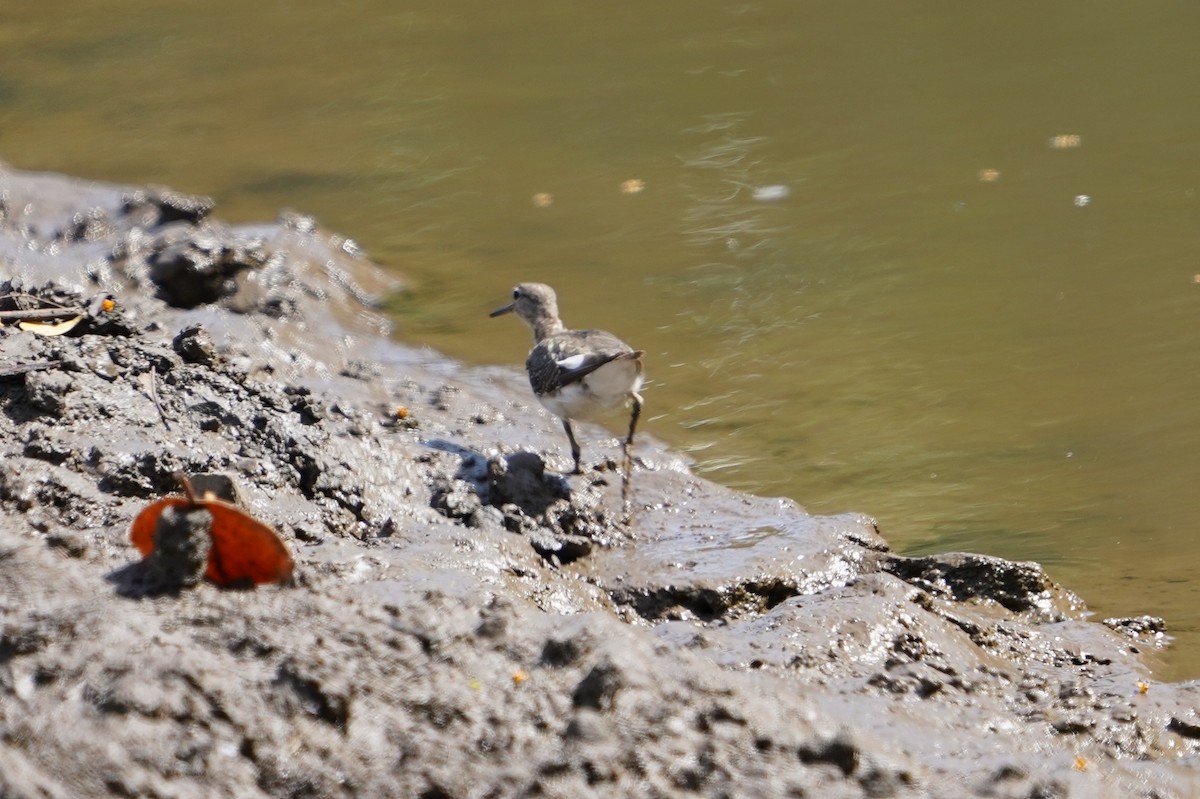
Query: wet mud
point(464, 619)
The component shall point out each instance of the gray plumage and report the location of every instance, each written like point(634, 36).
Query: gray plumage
point(597, 348)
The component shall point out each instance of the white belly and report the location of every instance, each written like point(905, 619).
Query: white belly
point(609, 387)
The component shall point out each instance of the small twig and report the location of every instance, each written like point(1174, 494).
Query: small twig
point(154, 396)
point(31, 314)
point(188, 491)
point(22, 368)
point(19, 297)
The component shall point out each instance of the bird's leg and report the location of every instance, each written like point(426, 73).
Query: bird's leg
point(628, 448)
point(575, 452)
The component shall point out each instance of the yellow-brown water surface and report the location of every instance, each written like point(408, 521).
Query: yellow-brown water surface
point(934, 262)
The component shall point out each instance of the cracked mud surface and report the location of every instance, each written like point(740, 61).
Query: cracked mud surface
point(465, 621)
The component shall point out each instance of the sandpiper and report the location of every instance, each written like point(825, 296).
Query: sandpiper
point(577, 374)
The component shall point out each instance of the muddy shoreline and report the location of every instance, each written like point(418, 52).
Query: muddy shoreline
point(464, 621)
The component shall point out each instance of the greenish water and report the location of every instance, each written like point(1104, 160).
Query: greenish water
point(1000, 362)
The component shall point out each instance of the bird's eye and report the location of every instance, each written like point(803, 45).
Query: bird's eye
point(516, 294)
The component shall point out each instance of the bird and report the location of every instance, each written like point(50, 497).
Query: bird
point(577, 374)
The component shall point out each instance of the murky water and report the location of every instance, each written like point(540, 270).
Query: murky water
point(937, 263)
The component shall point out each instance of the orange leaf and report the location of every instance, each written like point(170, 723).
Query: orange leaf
point(243, 548)
point(57, 329)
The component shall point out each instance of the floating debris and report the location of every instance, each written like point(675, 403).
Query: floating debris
point(989, 175)
point(1065, 141)
point(1082, 201)
point(633, 186)
point(543, 199)
point(771, 193)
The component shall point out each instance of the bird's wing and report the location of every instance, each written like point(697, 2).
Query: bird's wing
point(569, 357)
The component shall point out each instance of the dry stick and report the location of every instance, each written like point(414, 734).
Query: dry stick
point(21, 368)
point(31, 314)
point(186, 483)
point(154, 396)
point(23, 295)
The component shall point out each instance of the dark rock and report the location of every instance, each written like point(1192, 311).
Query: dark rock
point(48, 391)
point(455, 499)
point(308, 408)
point(561, 652)
point(1151, 629)
point(182, 540)
point(222, 486)
point(598, 689)
point(1186, 723)
point(836, 751)
point(1016, 586)
point(202, 270)
point(195, 345)
point(560, 549)
point(40, 443)
point(314, 695)
point(159, 206)
point(520, 479)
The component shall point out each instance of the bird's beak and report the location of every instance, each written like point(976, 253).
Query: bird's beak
point(501, 311)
